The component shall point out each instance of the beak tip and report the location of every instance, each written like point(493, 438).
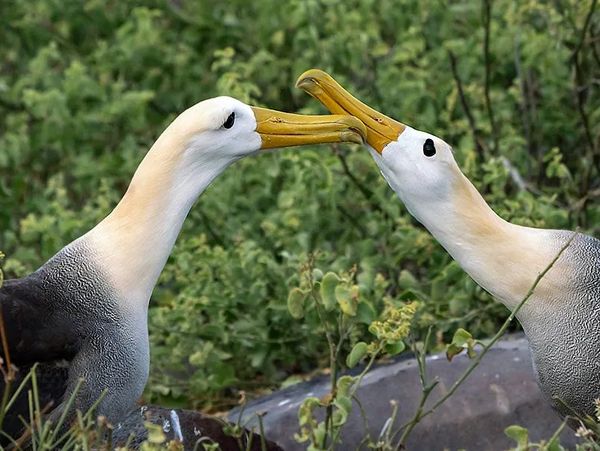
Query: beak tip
point(302, 83)
point(358, 130)
point(354, 136)
point(309, 79)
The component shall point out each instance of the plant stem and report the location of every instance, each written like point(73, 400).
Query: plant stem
point(426, 389)
point(358, 381)
point(479, 144)
point(487, 13)
point(332, 350)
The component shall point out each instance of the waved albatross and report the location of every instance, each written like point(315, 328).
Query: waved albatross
point(562, 317)
point(87, 306)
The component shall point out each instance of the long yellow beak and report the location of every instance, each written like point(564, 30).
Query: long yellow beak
point(279, 129)
point(381, 129)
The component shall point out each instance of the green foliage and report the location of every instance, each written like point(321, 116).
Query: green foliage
point(296, 300)
point(86, 87)
point(327, 290)
point(520, 435)
point(588, 440)
point(461, 341)
point(87, 432)
point(359, 351)
point(342, 328)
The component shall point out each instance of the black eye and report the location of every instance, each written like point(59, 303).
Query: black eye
point(429, 148)
point(229, 122)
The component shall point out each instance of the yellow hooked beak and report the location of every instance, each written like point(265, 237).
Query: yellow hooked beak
point(381, 130)
point(279, 129)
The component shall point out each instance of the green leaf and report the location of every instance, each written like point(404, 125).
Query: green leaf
point(344, 384)
point(394, 348)
point(156, 435)
point(406, 280)
point(461, 337)
point(295, 303)
point(343, 403)
point(438, 289)
point(356, 355)
point(320, 432)
point(317, 274)
point(346, 300)
point(554, 445)
point(365, 313)
point(344, 407)
point(461, 341)
point(520, 435)
point(329, 284)
point(305, 411)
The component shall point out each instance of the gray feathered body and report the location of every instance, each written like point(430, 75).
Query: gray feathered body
point(68, 312)
point(564, 330)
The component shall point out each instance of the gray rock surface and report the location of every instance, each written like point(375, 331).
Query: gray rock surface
point(502, 391)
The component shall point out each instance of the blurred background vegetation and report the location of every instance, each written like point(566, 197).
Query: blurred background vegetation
point(86, 87)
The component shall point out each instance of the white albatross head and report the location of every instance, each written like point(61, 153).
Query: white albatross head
point(228, 128)
point(419, 167)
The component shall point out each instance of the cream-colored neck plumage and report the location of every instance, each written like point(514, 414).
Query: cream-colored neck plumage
point(134, 241)
point(503, 258)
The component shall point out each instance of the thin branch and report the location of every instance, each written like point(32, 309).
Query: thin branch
point(522, 85)
point(9, 368)
point(358, 382)
point(584, 30)
point(9, 373)
point(580, 93)
point(363, 231)
point(332, 349)
point(480, 147)
point(366, 192)
point(426, 391)
point(528, 113)
point(211, 231)
point(367, 438)
point(593, 46)
point(580, 90)
point(487, 13)
point(559, 430)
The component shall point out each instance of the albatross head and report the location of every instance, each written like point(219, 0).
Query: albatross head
point(225, 128)
point(420, 167)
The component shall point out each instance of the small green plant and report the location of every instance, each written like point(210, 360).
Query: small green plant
point(343, 313)
point(336, 301)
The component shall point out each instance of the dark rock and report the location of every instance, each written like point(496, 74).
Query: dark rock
point(501, 392)
point(188, 427)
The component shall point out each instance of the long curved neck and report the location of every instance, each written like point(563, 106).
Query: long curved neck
point(134, 241)
point(503, 258)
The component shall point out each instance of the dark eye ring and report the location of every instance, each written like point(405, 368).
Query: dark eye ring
point(429, 148)
point(229, 121)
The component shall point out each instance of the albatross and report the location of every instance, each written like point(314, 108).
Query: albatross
point(562, 318)
point(83, 314)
